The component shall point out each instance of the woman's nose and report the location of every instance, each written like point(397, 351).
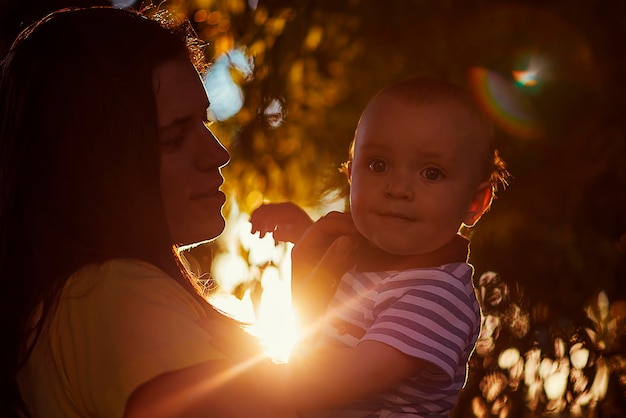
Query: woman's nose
point(210, 154)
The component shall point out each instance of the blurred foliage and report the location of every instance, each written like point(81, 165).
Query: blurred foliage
point(555, 229)
point(529, 363)
point(553, 235)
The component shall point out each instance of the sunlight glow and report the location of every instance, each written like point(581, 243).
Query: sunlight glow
point(601, 380)
point(508, 358)
point(251, 261)
point(492, 386)
point(488, 333)
point(173, 403)
point(274, 113)
point(578, 356)
point(225, 94)
point(276, 325)
point(479, 408)
point(572, 376)
point(555, 382)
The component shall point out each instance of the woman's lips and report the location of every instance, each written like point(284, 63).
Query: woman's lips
point(205, 194)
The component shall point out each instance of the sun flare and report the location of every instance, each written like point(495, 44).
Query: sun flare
point(263, 268)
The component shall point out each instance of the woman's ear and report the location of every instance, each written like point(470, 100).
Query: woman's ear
point(481, 200)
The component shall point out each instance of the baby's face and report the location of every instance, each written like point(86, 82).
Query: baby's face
point(415, 174)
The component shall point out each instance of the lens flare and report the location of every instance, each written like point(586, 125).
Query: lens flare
point(526, 77)
point(507, 107)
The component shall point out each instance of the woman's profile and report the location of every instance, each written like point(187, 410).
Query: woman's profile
point(106, 165)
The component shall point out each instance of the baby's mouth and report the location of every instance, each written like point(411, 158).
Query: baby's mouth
point(397, 215)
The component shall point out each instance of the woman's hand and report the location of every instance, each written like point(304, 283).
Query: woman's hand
point(230, 337)
point(286, 221)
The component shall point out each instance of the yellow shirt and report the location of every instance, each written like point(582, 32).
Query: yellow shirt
point(117, 325)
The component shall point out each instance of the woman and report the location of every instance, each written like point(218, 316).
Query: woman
point(106, 165)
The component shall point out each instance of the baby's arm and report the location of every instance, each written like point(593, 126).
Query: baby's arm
point(287, 221)
point(319, 259)
point(329, 376)
point(334, 376)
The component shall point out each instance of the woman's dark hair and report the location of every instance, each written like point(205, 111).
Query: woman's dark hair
point(79, 162)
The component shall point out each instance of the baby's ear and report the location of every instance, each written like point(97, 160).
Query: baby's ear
point(481, 200)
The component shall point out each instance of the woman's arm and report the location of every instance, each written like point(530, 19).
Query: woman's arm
point(211, 389)
point(325, 378)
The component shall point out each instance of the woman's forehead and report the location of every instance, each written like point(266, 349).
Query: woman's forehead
point(179, 91)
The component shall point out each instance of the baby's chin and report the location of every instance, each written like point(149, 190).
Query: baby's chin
point(395, 249)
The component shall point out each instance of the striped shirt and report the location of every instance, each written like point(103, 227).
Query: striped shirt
point(428, 313)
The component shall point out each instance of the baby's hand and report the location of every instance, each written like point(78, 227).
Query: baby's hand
point(316, 248)
point(287, 221)
point(325, 252)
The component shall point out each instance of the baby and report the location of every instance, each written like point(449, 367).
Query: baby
point(422, 165)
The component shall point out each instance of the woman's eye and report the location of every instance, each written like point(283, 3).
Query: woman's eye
point(172, 143)
point(432, 173)
point(377, 166)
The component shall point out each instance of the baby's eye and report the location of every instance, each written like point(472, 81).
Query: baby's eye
point(432, 173)
point(377, 165)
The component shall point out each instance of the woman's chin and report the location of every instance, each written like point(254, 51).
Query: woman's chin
point(201, 233)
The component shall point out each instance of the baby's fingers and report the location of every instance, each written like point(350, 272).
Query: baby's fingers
point(286, 220)
point(263, 220)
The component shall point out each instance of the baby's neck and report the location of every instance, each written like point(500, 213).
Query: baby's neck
point(370, 258)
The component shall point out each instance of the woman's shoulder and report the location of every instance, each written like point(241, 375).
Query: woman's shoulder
point(111, 273)
point(121, 322)
point(128, 267)
point(129, 290)
point(125, 281)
